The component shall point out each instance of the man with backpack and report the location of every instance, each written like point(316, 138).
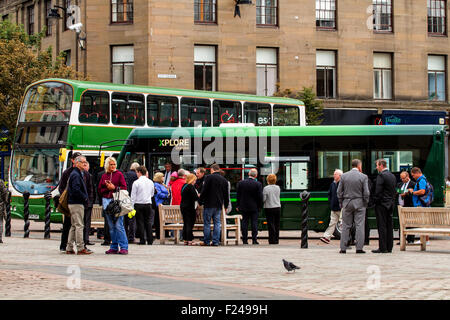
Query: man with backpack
point(422, 194)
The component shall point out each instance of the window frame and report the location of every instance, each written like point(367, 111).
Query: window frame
point(124, 4)
point(213, 11)
point(318, 27)
point(375, 4)
point(431, 9)
point(261, 4)
point(204, 64)
point(123, 63)
point(48, 25)
point(435, 78)
point(381, 69)
point(30, 20)
point(335, 79)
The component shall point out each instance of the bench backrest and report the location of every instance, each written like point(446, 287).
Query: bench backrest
point(170, 214)
point(97, 213)
point(424, 217)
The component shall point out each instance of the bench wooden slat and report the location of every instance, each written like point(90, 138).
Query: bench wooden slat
point(97, 219)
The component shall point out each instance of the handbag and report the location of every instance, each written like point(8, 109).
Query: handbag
point(63, 204)
point(124, 201)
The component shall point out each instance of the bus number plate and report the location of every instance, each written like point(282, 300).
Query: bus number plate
point(34, 216)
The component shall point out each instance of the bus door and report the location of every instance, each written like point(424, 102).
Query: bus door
point(292, 177)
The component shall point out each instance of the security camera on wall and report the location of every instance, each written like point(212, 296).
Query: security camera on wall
point(76, 27)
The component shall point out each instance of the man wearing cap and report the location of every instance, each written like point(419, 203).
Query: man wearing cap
point(62, 186)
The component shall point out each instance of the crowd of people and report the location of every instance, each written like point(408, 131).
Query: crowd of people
point(351, 193)
point(181, 187)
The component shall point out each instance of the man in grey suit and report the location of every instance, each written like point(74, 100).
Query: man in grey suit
point(353, 194)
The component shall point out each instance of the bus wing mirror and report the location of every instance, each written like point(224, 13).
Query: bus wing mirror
point(62, 154)
point(102, 160)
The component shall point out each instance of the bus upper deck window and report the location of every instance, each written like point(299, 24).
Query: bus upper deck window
point(286, 115)
point(94, 107)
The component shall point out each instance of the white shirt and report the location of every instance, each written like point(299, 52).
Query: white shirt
point(167, 177)
point(142, 191)
point(401, 201)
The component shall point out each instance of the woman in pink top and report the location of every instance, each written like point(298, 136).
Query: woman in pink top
point(110, 181)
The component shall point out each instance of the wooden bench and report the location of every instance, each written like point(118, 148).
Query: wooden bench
point(170, 219)
point(97, 220)
point(423, 221)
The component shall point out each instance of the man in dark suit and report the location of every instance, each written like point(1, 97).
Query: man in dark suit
point(404, 197)
point(353, 194)
point(87, 177)
point(384, 206)
point(249, 200)
point(213, 198)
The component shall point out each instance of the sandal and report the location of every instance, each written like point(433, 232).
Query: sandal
point(192, 243)
point(186, 243)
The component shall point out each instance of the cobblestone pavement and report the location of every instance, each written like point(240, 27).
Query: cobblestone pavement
point(35, 269)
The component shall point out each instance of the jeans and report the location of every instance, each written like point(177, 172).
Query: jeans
point(116, 230)
point(214, 214)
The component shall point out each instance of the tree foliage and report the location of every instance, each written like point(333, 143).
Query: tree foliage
point(313, 107)
point(22, 62)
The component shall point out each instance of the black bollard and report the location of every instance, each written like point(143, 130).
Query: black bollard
point(305, 195)
point(26, 215)
point(8, 215)
point(48, 198)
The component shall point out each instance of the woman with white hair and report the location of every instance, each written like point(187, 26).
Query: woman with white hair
point(110, 181)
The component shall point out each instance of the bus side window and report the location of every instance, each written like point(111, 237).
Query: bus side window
point(286, 115)
point(128, 109)
point(195, 111)
point(257, 113)
point(226, 112)
point(162, 111)
point(94, 107)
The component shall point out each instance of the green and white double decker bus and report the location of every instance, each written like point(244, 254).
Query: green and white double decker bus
point(303, 158)
point(59, 116)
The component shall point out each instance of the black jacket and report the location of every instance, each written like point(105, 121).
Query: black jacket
point(408, 197)
point(130, 177)
point(332, 196)
point(249, 196)
point(215, 191)
point(385, 192)
point(188, 197)
point(77, 188)
point(64, 178)
point(199, 184)
point(90, 188)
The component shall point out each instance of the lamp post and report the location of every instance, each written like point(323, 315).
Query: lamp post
point(73, 15)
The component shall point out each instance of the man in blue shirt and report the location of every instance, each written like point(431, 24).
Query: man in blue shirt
point(419, 190)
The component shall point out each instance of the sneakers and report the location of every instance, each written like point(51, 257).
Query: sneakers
point(112, 251)
point(123, 251)
point(325, 240)
point(84, 251)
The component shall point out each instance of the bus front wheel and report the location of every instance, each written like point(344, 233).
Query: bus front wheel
point(337, 231)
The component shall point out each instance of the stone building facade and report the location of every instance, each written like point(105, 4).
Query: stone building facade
point(365, 54)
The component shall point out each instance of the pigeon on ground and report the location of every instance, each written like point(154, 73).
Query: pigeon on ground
point(289, 265)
